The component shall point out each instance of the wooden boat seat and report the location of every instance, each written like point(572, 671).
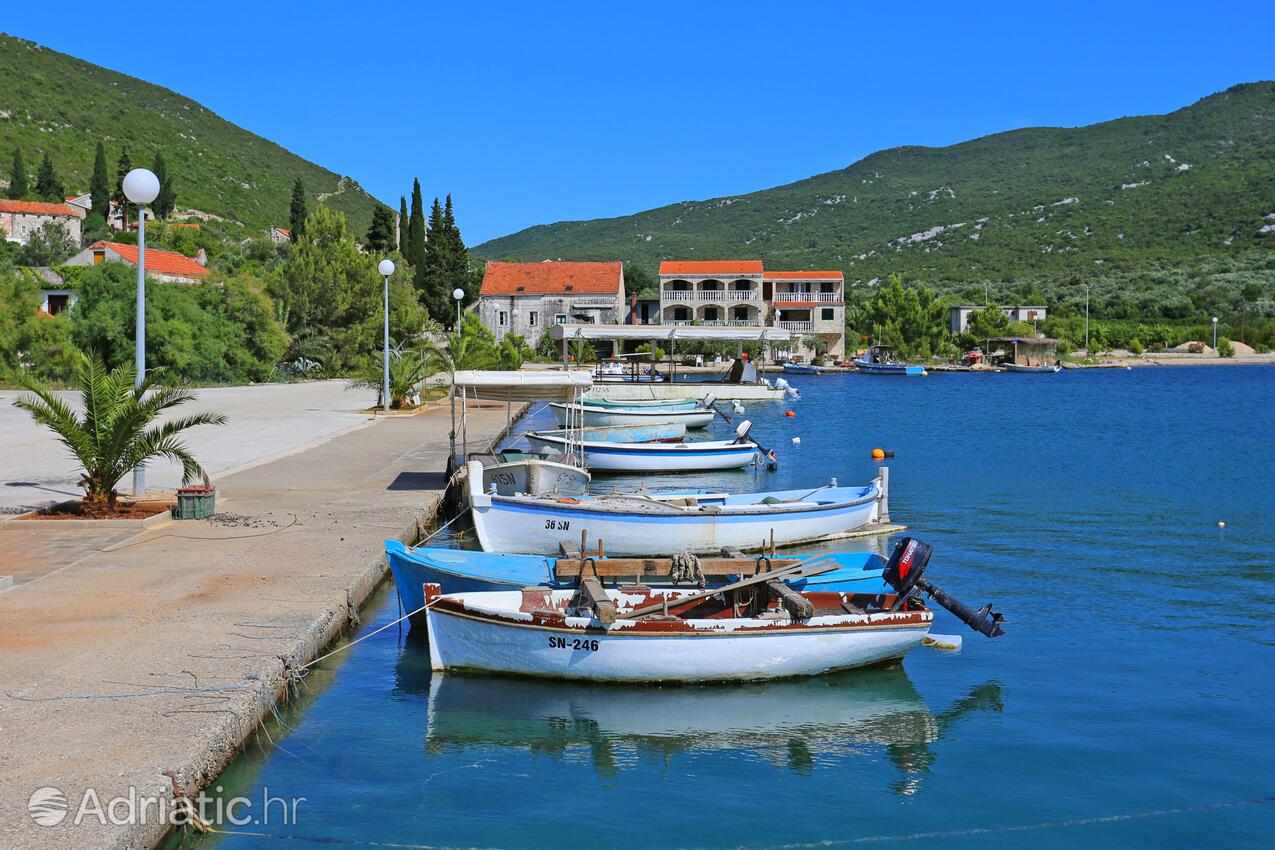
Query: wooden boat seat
point(565, 569)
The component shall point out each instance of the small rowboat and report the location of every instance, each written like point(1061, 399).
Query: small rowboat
point(879, 361)
point(592, 416)
point(803, 369)
point(1014, 367)
point(602, 456)
point(622, 433)
point(755, 629)
point(646, 523)
point(645, 403)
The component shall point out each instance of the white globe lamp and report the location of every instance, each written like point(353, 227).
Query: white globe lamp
point(385, 267)
point(141, 186)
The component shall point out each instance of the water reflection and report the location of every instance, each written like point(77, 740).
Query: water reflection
point(796, 726)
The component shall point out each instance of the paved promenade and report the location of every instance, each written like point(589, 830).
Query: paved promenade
point(163, 651)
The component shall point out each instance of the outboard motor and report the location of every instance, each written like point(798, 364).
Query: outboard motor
point(905, 572)
point(741, 431)
point(709, 400)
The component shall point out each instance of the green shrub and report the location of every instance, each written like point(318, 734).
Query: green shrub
point(1224, 348)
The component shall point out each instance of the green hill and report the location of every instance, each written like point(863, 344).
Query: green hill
point(57, 103)
point(1126, 195)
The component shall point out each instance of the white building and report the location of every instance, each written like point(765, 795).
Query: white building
point(20, 219)
point(524, 298)
point(958, 318)
point(168, 266)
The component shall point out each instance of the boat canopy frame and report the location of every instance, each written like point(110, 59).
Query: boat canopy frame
point(665, 333)
point(510, 387)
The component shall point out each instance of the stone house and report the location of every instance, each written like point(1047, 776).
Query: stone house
point(524, 298)
point(168, 266)
point(20, 219)
point(958, 318)
point(280, 235)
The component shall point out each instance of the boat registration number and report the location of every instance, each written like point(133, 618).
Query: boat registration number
point(576, 644)
point(558, 524)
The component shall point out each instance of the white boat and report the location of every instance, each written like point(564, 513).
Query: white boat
point(632, 372)
point(591, 416)
point(508, 473)
point(1015, 367)
point(623, 433)
point(718, 635)
point(652, 457)
point(643, 524)
point(649, 403)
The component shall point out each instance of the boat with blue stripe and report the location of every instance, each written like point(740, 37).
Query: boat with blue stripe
point(602, 456)
point(878, 360)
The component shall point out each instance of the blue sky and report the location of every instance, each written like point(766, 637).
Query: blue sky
point(537, 112)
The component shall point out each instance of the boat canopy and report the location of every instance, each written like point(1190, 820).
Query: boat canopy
point(522, 386)
point(669, 332)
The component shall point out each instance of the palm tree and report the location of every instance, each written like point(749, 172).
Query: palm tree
point(473, 348)
point(115, 432)
point(409, 368)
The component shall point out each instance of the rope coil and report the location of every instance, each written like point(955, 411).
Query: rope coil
point(687, 568)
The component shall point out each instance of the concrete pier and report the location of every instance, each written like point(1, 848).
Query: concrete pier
point(162, 651)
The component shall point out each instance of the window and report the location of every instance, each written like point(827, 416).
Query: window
point(533, 318)
point(681, 314)
point(740, 313)
point(503, 319)
point(560, 318)
point(828, 314)
point(57, 303)
point(710, 314)
point(827, 287)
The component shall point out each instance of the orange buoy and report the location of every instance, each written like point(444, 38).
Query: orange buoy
point(789, 413)
point(878, 454)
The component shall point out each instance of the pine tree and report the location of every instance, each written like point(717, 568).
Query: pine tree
point(432, 275)
point(402, 224)
point(298, 213)
point(166, 200)
point(415, 251)
point(99, 186)
point(47, 185)
point(380, 236)
point(124, 166)
point(18, 187)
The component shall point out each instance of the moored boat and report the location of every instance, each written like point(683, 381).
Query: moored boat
point(878, 360)
point(1016, 367)
point(803, 369)
point(601, 456)
point(686, 521)
point(591, 416)
point(645, 403)
point(623, 433)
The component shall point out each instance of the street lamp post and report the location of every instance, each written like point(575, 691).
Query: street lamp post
point(459, 295)
point(386, 268)
point(1087, 320)
point(141, 187)
point(1215, 334)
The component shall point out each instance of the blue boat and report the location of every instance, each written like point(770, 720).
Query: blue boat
point(467, 570)
point(879, 361)
point(803, 369)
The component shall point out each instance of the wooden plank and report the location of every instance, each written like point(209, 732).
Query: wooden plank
point(568, 568)
point(798, 606)
point(591, 595)
point(800, 569)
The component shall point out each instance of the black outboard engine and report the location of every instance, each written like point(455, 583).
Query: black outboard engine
point(905, 572)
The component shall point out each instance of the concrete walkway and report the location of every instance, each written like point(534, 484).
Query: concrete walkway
point(163, 651)
point(266, 420)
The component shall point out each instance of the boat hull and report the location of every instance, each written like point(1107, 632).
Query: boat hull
point(889, 369)
point(654, 457)
point(600, 416)
point(1043, 370)
point(532, 476)
point(470, 639)
point(633, 526)
point(623, 433)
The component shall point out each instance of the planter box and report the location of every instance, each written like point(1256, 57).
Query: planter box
point(195, 503)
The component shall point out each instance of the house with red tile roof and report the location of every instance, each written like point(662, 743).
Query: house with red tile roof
point(280, 235)
point(168, 266)
point(524, 298)
point(20, 219)
point(743, 293)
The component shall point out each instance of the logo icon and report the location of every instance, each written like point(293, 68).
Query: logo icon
point(47, 806)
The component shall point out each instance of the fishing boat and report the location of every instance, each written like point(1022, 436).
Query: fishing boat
point(700, 456)
point(758, 627)
point(878, 360)
point(1018, 367)
point(620, 371)
point(683, 521)
point(646, 403)
point(623, 433)
point(593, 416)
point(467, 570)
point(511, 472)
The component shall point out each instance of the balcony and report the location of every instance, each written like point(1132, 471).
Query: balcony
point(719, 296)
point(808, 298)
point(717, 323)
point(800, 327)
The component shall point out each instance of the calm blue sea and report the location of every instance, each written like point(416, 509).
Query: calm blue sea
point(1131, 702)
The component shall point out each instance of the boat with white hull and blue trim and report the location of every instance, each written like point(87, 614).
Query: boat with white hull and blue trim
point(641, 523)
point(592, 416)
point(601, 456)
point(879, 361)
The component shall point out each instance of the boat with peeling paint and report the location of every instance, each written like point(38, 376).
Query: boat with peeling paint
point(736, 635)
point(593, 416)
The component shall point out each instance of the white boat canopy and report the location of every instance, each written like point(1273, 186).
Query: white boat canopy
point(670, 332)
point(521, 386)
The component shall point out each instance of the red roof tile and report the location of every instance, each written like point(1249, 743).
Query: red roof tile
point(804, 275)
point(552, 279)
point(158, 262)
point(702, 267)
point(37, 208)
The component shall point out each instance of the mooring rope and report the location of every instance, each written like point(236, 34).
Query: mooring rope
point(686, 567)
point(362, 638)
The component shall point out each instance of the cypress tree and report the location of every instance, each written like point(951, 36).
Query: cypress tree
point(432, 275)
point(380, 236)
point(99, 186)
point(166, 200)
point(416, 230)
point(18, 187)
point(124, 166)
point(298, 213)
point(401, 244)
point(47, 185)
point(457, 254)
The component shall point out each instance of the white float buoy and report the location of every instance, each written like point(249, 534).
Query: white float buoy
point(1221, 524)
point(739, 409)
point(796, 441)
